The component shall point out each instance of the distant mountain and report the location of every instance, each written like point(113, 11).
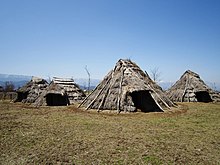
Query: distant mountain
point(17, 80)
point(20, 80)
point(13, 78)
point(83, 83)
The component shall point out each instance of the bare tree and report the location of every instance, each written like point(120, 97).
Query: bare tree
point(214, 86)
point(155, 74)
point(88, 78)
point(49, 79)
point(1, 89)
point(9, 86)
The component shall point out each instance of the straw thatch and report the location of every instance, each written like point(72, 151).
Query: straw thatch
point(191, 88)
point(61, 91)
point(31, 91)
point(75, 94)
point(127, 88)
point(53, 95)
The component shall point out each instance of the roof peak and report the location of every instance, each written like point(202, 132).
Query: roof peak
point(192, 73)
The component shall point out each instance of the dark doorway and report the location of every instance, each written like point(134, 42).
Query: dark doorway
point(143, 100)
point(203, 96)
point(21, 96)
point(57, 100)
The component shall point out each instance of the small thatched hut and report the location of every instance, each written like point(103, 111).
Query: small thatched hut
point(53, 95)
point(191, 88)
point(31, 91)
point(127, 88)
point(73, 91)
point(60, 92)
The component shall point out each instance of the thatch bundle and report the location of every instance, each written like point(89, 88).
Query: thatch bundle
point(127, 88)
point(191, 88)
point(31, 91)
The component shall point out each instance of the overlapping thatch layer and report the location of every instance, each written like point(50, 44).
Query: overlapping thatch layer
point(54, 95)
point(127, 88)
point(61, 91)
point(32, 90)
point(191, 88)
point(74, 93)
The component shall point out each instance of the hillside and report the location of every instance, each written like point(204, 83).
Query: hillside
point(20, 80)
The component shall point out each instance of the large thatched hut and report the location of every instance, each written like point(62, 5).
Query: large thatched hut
point(127, 88)
point(191, 88)
point(31, 91)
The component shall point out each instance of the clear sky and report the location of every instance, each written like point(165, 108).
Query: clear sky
point(60, 37)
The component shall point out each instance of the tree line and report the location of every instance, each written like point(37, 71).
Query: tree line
point(7, 87)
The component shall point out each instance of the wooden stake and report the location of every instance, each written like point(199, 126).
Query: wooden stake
point(182, 99)
point(98, 94)
point(119, 93)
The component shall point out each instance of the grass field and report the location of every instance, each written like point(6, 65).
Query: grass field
point(67, 135)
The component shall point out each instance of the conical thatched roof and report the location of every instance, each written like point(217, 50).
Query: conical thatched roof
point(32, 90)
point(191, 88)
point(127, 88)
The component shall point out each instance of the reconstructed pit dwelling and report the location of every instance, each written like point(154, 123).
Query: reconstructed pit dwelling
point(191, 88)
point(60, 92)
point(127, 88)
point(32, 90)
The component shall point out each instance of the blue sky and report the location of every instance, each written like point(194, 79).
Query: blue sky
point(60, 37)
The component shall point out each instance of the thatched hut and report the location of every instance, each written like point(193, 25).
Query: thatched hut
point(31, 91)
point(191, 88)
point(53, 95)
point(61, 91)
point(127, 88)
point(74, 93)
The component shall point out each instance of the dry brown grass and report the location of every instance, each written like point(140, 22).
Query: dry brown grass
point(67, 135)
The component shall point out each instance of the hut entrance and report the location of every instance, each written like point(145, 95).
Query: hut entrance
point(56, 100)
point(143, 100)
point(203, 96)
point(21, 96)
